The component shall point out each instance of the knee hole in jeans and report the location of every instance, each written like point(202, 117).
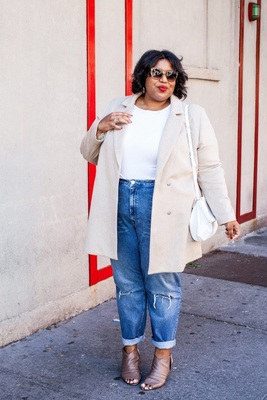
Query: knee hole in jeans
point(163, 298)
point(124, 293)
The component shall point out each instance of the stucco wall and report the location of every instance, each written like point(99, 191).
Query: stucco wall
point(43, 194)
point(43, 178)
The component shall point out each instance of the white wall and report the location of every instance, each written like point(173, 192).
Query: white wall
point(43, 179)
point(110, 45)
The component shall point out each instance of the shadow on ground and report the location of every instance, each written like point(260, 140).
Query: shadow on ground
point(230, 266)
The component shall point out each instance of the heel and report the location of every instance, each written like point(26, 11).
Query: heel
point(159, 373)
point(130, 367)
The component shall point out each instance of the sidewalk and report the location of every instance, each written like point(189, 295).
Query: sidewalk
point(221, 351)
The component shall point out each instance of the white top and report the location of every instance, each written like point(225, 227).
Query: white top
point(141, 143)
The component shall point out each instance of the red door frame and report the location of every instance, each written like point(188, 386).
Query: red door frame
point(252, 214)
point(96, 275)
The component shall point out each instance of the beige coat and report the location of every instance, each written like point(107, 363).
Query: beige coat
point(171, 245)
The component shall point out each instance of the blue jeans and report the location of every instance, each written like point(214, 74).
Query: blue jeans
point(137, 291)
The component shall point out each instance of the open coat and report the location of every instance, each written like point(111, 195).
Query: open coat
point(171, 245)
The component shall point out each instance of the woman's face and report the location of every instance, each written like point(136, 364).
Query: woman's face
point(160, 89)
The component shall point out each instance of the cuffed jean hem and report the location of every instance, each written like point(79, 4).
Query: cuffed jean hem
point(131, 342)
point(164, 345)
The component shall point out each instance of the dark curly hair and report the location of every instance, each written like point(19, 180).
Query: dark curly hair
point(148, 61)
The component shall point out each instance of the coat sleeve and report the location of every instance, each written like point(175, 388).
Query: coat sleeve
point(210, 172)
point(90, 146)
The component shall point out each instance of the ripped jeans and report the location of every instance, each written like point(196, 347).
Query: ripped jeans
point(137, 291)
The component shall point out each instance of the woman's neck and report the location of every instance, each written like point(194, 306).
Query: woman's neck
point(146, 103)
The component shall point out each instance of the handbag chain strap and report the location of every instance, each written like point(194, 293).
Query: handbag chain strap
point(191, 152)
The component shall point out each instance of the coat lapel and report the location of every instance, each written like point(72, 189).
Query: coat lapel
point(171, 132)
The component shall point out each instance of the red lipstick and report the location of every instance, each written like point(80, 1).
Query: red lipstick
point(162, 88)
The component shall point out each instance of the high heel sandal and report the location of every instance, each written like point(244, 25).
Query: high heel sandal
point(159, 373)
point(130, 367)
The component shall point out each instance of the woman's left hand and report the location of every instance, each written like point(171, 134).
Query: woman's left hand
point(232, 229)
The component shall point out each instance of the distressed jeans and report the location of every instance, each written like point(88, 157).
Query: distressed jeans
point(136, 291)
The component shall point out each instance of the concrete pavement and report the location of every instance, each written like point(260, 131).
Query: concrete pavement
point(221, 351)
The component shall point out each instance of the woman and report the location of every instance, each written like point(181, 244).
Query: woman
point(142, 200)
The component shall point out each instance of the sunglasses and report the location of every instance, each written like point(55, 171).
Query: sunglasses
point(157, 73)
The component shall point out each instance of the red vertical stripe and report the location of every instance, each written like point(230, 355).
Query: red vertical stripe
point(128, 45)
point(257, 97)
point(252, 214)
point(91, 92)
point(90, 62)
point(96, 275)
point(240, 109)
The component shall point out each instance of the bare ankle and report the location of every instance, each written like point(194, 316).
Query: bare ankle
point(162, 353)
point(129, 349)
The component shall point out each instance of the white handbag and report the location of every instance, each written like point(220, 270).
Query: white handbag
point(202, 224)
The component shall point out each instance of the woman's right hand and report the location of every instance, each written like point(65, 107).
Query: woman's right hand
point(232, 229)
point(113, 121)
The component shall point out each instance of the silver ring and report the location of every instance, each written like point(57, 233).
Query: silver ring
point(115, 120)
